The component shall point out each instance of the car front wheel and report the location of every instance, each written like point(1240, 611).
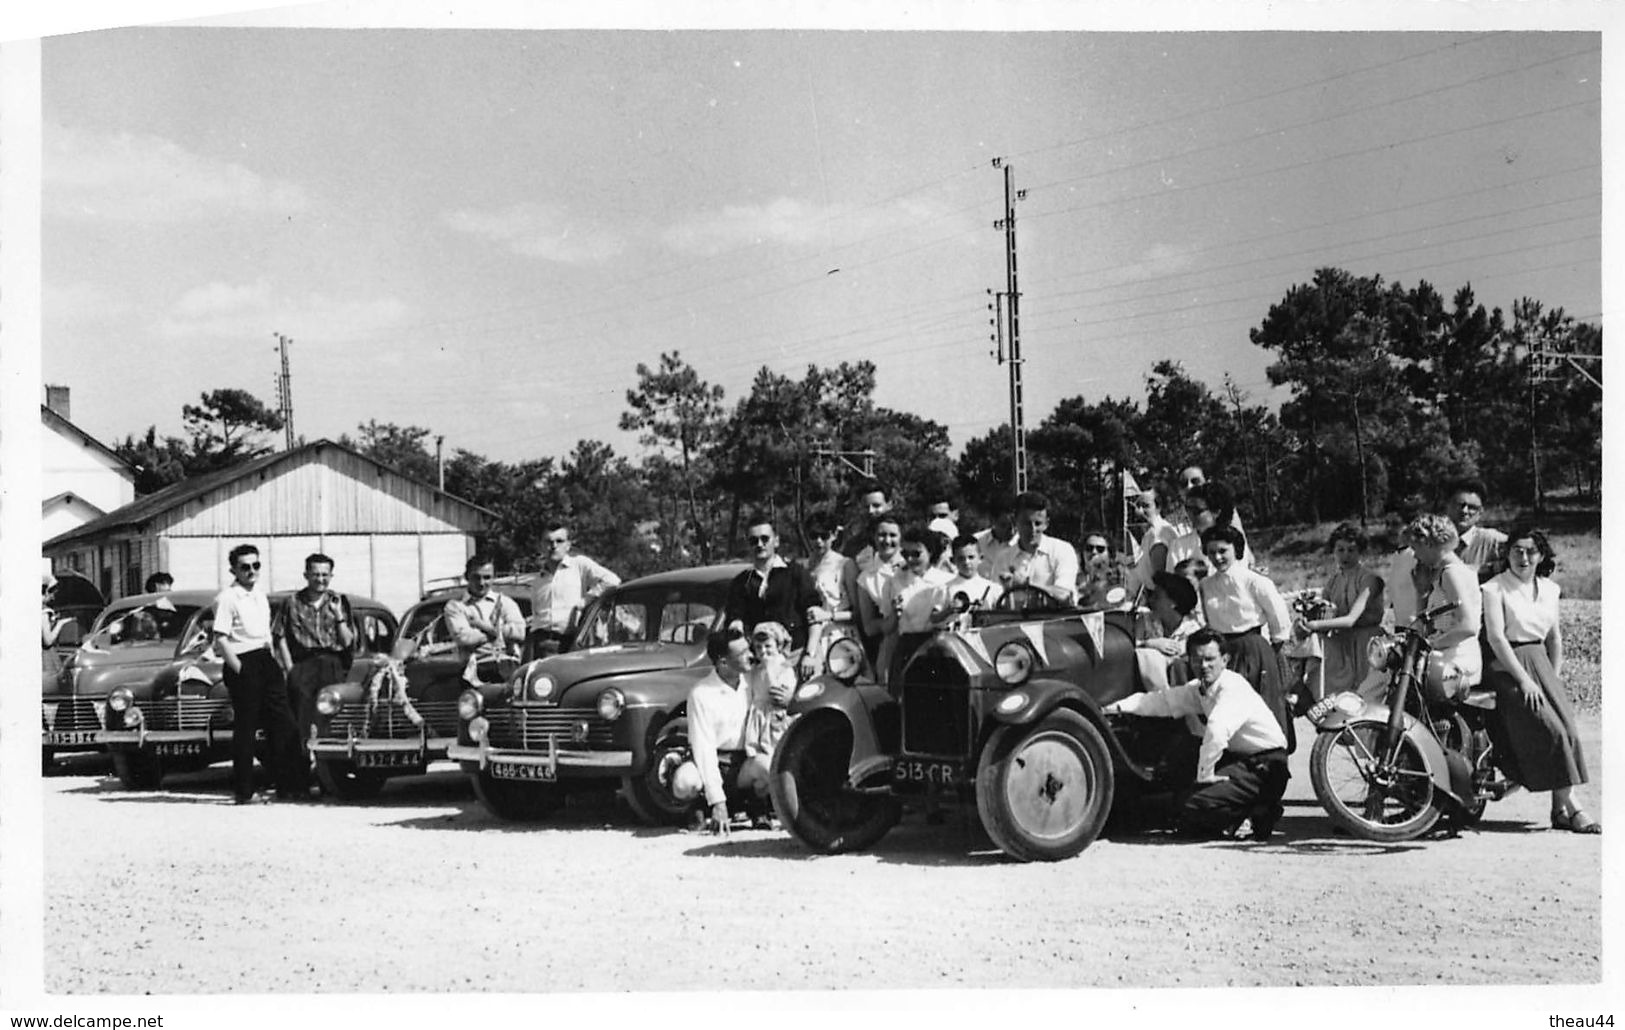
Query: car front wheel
point(344, 781)
point(1044, 791)
point(137, 770)
point(811, 795)
point(516, 800)
point(649, 794)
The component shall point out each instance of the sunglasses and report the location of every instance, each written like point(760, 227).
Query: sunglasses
point(1096, 548)
point(912, 553)
point(248, 565)
point(761, 539)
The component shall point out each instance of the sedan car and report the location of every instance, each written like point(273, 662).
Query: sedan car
point(397, 711)
point(129, 643)
point(181, 718)
point(1004, 708)
point(604, 711)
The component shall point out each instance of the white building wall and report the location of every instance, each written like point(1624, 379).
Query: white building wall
point(68, 465)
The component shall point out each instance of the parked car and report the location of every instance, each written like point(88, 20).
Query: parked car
point(603, 711)
point(129, 643)
point(180, 718)
point(76, 599)
point(1004, 707)
point(397, 711)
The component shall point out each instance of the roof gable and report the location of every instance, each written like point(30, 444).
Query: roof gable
point(68, 429)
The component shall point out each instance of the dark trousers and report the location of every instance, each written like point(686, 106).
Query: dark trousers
point(1252, 791)
point(259, 700)
point(317, 669)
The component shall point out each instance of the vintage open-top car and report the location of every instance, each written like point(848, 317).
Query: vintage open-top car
point(129, 643)
point(181, 717)
point(605, 710)
point(397, 711)
point(1004, 706)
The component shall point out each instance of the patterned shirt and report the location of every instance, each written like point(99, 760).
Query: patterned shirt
point(308, 626)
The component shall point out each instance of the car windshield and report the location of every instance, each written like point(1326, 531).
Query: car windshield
point(682, 614)
point(156, 622)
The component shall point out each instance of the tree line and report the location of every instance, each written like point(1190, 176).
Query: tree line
point(1392, 392)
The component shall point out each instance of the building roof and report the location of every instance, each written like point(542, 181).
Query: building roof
point(56, 421)
point(143, 509)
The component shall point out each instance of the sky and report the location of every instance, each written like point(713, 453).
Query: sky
point(484, 232)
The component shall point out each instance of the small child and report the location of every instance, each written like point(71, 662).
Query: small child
point(979, 591)
point(770, 684)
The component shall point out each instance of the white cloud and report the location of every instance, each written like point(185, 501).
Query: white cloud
point(541, 231)
point(801, 223)
point(139, 178)
point(80, 303)
point(253, 312)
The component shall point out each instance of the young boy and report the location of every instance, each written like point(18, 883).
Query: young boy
point(979, 591)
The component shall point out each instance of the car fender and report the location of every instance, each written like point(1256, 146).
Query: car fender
point(858, 705)
point(1045, 696)
point(1432, 752)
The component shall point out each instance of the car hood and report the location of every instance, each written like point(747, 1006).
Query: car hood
point(593, 663)
point(93, 673)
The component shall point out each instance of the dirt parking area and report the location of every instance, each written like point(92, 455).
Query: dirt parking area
point(177, 891)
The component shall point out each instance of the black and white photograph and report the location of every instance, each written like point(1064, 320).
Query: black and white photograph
point(938, 513)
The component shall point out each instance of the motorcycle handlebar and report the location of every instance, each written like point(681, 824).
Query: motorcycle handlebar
point(1434, 613)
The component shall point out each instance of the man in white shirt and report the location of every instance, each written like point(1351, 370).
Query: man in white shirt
point(486, 625)
point(1038, 560)
point(717, 710)
point(259, 695)
point(562, 589)
point(1241, 767)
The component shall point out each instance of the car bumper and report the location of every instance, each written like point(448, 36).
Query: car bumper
point(359, 749)
point(577, 761)
point(70, 740)
point(170, 742)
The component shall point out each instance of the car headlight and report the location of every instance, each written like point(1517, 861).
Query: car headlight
point(133, 717)
point(121, 700)
point(845, 659)
point(469, 704)
point(327, 701)
point(479, 728)
point(541, 688)
point(1013, 662)
point(611, 703)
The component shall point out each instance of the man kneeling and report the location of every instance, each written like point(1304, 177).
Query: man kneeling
point(718, 710)
point(1241, 768)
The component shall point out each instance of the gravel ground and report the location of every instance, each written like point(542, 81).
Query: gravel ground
point(178, 892)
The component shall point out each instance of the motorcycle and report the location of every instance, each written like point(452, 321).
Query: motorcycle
point(1387, 769)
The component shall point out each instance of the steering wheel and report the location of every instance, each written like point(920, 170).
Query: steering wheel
point(1027, 597)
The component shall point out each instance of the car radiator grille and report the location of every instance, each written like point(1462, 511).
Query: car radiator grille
point(70, 715)
point(186, 713)
point(390, 722)
point(527, 728)
point(936, 707)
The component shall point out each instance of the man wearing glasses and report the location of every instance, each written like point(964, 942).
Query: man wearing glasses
point(566, 583)
point(259, 698)
point(773, 590)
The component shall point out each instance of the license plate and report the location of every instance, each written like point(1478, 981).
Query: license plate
point(62, 738)
point(515, 771)
point(178, 747)
point(386, 759)
point(924, 770)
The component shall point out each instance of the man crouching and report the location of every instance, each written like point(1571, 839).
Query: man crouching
point(1241, 768)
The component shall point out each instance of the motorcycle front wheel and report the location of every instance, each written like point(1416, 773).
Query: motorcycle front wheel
point(1372, 795)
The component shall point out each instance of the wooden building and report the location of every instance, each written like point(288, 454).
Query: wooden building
point(388, 534)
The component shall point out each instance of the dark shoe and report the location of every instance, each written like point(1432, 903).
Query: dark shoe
point(1264, 822)
point(764, 822)
point(1575, 822)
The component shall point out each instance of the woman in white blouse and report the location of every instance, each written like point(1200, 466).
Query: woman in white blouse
point(1526, 669)
point(1441, 577)
point(1248, 611)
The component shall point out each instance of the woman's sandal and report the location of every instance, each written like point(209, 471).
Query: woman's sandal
point(1575, 822)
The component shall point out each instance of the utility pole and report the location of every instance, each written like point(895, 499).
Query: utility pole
point(1011, 329)
point(440, 461)
point(285, 391)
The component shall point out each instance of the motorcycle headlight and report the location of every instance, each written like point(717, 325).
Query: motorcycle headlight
point(611, 703)
point(478, 729)
point(1377, 652)
point(120, 700)
point(1013, 662)
point(844, 660)
point(469, 704)
point(327, 701)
